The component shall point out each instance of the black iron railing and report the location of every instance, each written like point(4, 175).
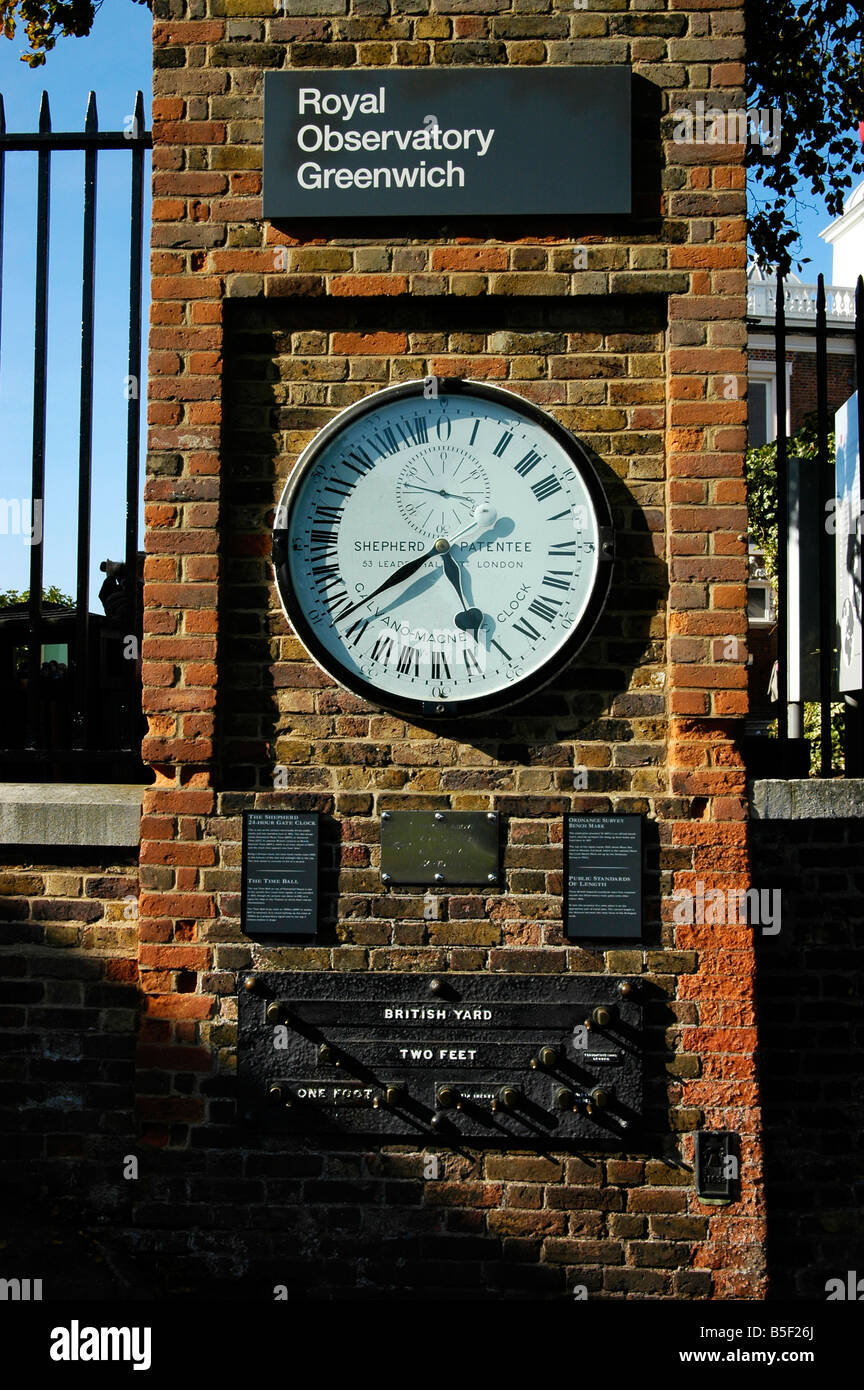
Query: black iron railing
point(64, 726)
point(817, 539)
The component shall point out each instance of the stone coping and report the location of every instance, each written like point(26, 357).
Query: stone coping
point(74, 813)
point(70, 813)
point(810, 798)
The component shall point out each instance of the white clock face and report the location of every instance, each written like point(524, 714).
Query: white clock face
point(443, 555)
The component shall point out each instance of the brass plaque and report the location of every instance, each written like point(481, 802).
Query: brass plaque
point(439, 847)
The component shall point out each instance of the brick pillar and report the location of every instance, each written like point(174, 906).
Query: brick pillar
point(258, 337)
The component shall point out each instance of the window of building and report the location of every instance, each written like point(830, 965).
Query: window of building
point(761, 418)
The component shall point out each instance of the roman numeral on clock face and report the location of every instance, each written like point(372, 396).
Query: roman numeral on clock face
point(529, 461)
point(322, 543)
point(413, 431)
point(558, 579)
point(440, 668)
point(545, 608)
point(337, 603)
point(408, 657)
point(502, 444)
point(386, 441)
point(383, 647)
point(340, 486)
point(546, 487)
point(362, 462)
point(527, 629)
point(326, 576)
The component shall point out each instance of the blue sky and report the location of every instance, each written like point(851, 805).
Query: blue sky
point(114, 61)
point(812, 219)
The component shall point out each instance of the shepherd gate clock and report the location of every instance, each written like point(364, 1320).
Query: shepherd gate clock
point(443, 548)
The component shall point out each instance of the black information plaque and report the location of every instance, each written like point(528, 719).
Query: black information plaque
point(602, 876)
point(280, 873)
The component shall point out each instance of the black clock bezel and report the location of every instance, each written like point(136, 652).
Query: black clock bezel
point(520, 690)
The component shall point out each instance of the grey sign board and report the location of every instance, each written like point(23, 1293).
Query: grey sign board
point(446, 142)
point(602, 876)
point(280, 873)
point(430, 847)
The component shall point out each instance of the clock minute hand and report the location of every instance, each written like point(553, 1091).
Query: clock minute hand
point(404, 572)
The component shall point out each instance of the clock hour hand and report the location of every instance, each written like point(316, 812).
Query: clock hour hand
point(470, 619)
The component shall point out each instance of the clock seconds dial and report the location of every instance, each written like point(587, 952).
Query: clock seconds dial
point(438, 490)
point(444, 555)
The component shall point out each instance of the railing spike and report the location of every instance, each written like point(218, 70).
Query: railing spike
point(91, 122)
point(2, 116)
point(139, 113)
point(44, 115)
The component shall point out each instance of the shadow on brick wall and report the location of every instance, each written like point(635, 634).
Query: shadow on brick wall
point(809, 985)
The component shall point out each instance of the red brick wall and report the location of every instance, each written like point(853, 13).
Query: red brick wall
point(248, 359)
point(802, 385)
point(802, 381)
point(68, 1027)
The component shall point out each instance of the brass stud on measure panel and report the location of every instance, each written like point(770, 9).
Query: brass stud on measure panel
point(600, 1018)
point(506, 1098)
point(597, 1099)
